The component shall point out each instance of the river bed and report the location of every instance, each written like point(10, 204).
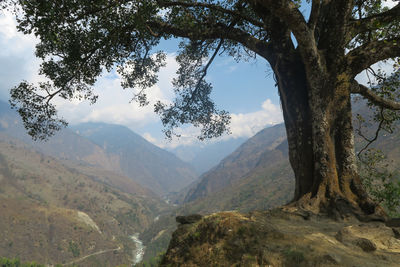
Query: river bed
point(138, 252)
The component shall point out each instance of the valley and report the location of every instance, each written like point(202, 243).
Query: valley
point(67, 201)
point(99, 194)
point(53, 213)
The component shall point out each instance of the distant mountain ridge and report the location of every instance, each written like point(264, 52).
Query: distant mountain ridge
point(204, 157)
point(257, 152)
point(258, 174)
point(54, 213)
point(57, 211)
point(151, 166)
point(112, 147)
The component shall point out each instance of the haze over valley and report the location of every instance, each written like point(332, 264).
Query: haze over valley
point(82, 195)
point(98, 192)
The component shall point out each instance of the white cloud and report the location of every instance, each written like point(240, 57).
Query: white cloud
point(113, 105)
point(18, 63)
point(385, 67)
point(248, 124)
point(150, 138)
point(13, 41)
point(242, 125)
point(16, 55)
point(390, 3)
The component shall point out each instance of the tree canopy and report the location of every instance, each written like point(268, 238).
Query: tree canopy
point(78, 39)
point(315, 60)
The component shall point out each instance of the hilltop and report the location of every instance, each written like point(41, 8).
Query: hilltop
point(281, 237)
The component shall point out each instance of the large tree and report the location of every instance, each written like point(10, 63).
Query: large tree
point(315, 60)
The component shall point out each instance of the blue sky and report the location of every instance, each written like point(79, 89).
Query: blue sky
point(247, 90)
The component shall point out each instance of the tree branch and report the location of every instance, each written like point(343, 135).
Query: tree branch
point(369, 140)
point(315, 10)
point(213, 7)
point(374, 22)
point(332, 29)
point(357, 88)
point(370, 53)
point(288, 12)
point(93, 12)
point(215, 31)
point(209, 63)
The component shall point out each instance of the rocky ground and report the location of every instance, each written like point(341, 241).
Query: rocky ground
point(282, 238)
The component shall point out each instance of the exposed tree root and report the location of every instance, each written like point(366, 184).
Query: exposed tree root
point(337, 208)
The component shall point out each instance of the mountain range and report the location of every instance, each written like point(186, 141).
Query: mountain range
point(112, 147)
point(55, 212)
point(150, 165)
point(73, 199)
point(257, 176)
point(204, 156)
point(111, 174)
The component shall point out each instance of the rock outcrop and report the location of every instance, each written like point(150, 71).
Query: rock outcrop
point(282, 238)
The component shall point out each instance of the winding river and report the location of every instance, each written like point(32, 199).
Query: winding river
point(138, 252)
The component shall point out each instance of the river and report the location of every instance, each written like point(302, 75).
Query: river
point(138, 252)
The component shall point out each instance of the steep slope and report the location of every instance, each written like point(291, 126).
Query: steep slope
point(148, 164)
point(65, 145)
point(269, 184)
point(258, 151)
point(57, 213)
point(256, 176)
point(110, 147)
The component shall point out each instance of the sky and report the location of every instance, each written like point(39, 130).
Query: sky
point(246, 89)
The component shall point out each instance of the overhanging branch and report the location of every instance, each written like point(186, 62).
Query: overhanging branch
point(357, 88)
point(370, 53)
point(374, 22)
point(376, 135)
point(215, 31)
point(233, 13)
point(288, 12)
point(315, 11)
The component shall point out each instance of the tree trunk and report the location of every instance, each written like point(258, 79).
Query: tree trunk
point(321, 144)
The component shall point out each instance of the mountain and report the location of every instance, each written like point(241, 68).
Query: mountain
point(55, 212)
point(204, 156)
point(61, 201)
point(265, 150)
point(257, 175)
point(111, 147)
point(146, 163)
point(65, 145)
